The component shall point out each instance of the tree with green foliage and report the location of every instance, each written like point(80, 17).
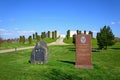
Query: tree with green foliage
point(77, 31)
point(105, 37)
point(30, 39)
point(55, 34)
point(20, 39)
point(23, 39)
point(43, 35)
point(84, 31)
point(91, 33)
point(74, 39)
point(36, 34)
point(33, 36)
point(38, 38)
point(68, 34)
point(48, 34)
point(1, 41)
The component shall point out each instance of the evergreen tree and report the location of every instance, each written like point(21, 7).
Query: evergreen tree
point(91, 33)
point(77, 31)
point(38, 38)
point(23, 39)
point(1, 41)
point(74, 39)
point(105, 37)
point(68, 34)
point(48, 34)
point(20, 39)
point(30, 39)
point(84, 31)
point(33, 36)
point(55, 34)
point(36, 34)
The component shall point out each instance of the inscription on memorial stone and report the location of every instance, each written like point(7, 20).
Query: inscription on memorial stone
point(40, 53)
point(83, 51)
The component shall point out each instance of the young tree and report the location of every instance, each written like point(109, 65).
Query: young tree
point(30, 39)
point(1, 41)
point(48, 34)
point(23, 39)
point(55, 34)
point(77, 31)
point(91, 33)
point(36, 34)
point(33, 36)
point(68, 34)
point(74, 39)
point(105, 37)
point(84, 31)
point(38, 38)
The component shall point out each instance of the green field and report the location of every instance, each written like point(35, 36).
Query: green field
point(15, 65)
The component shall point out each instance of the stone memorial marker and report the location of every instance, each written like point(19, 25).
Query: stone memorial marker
point(83, 51)
point(40, 53)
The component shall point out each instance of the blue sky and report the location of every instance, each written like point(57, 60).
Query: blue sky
point(24, 17)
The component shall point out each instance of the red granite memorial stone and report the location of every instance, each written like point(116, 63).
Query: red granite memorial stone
point(83, 51)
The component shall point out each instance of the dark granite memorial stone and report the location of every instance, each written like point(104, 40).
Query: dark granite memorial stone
point(40, 53)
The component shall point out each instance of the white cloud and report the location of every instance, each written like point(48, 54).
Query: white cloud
point(115, 22)
point(14, 33)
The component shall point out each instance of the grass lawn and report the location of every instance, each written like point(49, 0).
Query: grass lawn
point(15, 65)
point(6, 45)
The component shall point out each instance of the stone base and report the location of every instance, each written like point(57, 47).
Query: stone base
point(84, 66)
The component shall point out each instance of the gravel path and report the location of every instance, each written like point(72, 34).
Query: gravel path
point(57, 42)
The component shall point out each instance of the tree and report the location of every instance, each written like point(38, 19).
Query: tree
point(68, 34)
point(30, 39)
point(74, 39)
point(55, 34)
point(105, 37)
point(20, 39)
point(77, 31)
point(48, 34)
point(23, 39)
point(36, 34)
point(91, 33)
point(33, 36)
point(38, 38)
point(1, 41)
point(84, 31)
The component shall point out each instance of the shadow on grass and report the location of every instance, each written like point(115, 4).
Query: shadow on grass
point(56, 74)
point(69, 62)
point(116, 48)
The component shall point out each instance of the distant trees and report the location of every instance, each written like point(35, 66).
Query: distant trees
point(105, 37)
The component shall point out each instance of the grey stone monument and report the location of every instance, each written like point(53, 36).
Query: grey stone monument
point(40, 53)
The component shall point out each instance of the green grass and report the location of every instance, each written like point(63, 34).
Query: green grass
point(68, 41)
point(6, 45)
point(15, 65)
